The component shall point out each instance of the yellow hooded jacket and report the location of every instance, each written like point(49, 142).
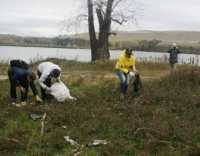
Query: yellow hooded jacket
point(124, 63)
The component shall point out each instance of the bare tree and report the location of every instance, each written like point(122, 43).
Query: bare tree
point(106, 12)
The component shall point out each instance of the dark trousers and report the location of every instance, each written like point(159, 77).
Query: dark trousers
point(24, 83)
point(47, 82)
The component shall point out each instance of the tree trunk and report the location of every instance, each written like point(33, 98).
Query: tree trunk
point(92, 33)
point(100, 47)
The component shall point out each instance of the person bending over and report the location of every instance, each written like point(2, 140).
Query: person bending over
point(46, 72)
point(20, 76)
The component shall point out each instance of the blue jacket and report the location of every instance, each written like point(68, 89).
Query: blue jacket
point(19, 74)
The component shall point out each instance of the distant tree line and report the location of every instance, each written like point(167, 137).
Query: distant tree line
point(153, 45)
point(66, 42)
point(142, 45)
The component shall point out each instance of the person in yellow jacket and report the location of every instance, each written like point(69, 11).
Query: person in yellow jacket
point(125, 66)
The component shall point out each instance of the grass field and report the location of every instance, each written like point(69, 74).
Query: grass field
point(162, 121)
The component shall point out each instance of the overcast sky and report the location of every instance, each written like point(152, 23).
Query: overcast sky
point(44, 17)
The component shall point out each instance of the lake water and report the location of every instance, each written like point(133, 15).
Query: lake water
point(36, 53)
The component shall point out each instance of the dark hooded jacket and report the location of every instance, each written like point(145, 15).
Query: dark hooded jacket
point(173, 54)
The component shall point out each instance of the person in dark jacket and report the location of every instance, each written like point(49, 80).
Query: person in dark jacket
point(173, 56)
point(20, 76)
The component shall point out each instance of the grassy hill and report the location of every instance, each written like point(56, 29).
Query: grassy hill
point(188, 41)
point(163, 120)
point(165, 36)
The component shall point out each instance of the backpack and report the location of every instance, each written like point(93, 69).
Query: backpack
point(137, 83)
point(19, 63)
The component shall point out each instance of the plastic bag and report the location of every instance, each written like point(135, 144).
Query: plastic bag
point(60, 92)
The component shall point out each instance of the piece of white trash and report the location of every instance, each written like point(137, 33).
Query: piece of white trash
point(60, 92)
point(98, 142)
point(71, 141)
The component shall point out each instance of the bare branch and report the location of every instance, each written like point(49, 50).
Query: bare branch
point(82, 17)
point(116, 4)
point(120, 22)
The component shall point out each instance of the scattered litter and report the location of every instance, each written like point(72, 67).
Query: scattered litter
point(16, 141)
point(72, 142)
point(78, 150)
point(64, 127)
point(42, 123)
point(98, 142)
point(94, 143)
point(36, 116)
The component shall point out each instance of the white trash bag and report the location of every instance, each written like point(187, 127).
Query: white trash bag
point(60, 92)
point(131, 74)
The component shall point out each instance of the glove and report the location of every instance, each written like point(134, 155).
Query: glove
point(38, 99)
point(132, 74)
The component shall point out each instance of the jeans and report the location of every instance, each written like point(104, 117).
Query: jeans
point(124, 80)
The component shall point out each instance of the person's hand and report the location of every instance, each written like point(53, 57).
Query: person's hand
point(38, 99)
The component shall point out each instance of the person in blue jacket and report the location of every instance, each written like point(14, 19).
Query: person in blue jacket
point(20, 76)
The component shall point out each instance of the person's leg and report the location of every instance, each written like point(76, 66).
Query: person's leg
point(175, 65)
point(126, 83)
point(24, 94)
point(12, 86)
point(43, 93)
point(123, 80)
point(172, 65)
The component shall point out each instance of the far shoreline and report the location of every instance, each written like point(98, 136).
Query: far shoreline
point(61, 47)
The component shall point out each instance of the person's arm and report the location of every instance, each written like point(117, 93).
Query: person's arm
point(35, 92)
point(178, 51)
point(134, 68)
point(41, 81)
point(33, 88)
point(134, 62)
point(170, 50)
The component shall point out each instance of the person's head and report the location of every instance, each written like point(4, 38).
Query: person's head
point(55, 73)
point(174, 45)
point(128, 52)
